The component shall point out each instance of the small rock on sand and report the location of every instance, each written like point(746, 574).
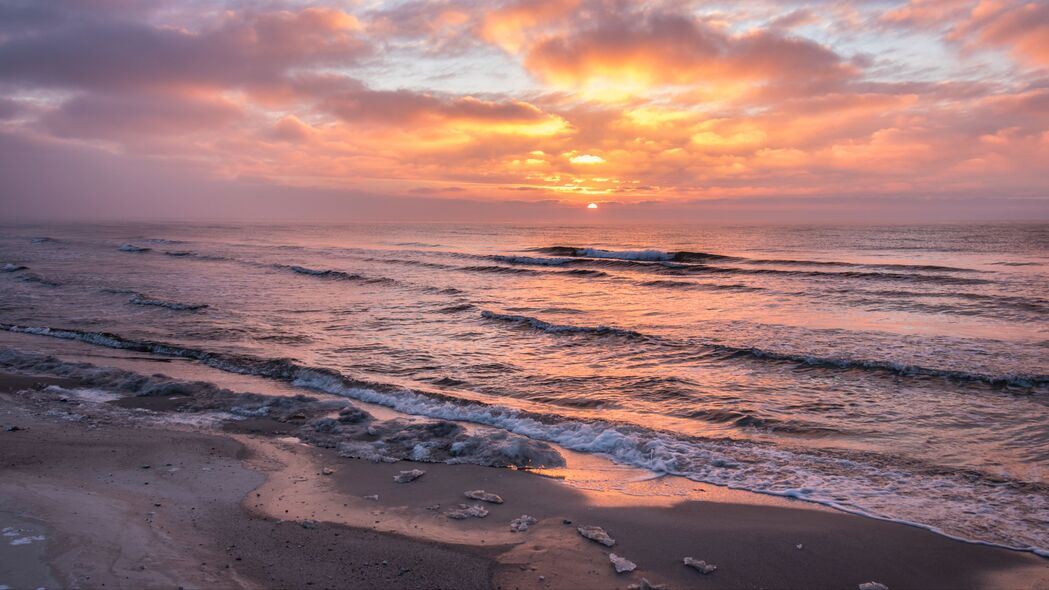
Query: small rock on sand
point(464, 512)
point(621, 564)
point(646, 585)
point(373, 497)
point(596, 534)
point(327, 471)
point(521, 524)
point(873, 586)
point(700, 565)
point(407, 476)
point(483, 496)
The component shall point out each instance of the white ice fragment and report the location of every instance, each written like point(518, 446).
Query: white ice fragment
point(521, 524)
point(873, 586)
point(700, 565)
point(464, 512)
point(621, 564)
point(596, 534)
point(407, 476)
point(799, 546)
point(327, 471)
point(483, 496)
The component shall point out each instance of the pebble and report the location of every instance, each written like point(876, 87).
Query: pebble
point(701, 566)
point(521, 524)
point(621, 564)
point(408, 476)
point(483, 496)
point(464, 512)
point(596, 534)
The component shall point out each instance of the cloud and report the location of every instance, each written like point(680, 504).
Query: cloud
point(1022, 27)
point(622, 102)
point(106, 51)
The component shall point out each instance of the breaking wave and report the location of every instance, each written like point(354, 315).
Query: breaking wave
point(967, 505)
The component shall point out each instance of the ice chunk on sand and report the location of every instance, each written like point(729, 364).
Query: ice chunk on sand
point(700, 565)
point(483, 496)
point(596, 534)
point(873, 586)
point(520, 525)
point(407, 476)
point(621, 564)
point(463, 512)
point(646, 585)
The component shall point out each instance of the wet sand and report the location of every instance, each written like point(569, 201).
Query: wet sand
point(115, 503)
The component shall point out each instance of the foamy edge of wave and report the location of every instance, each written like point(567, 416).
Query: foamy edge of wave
point(806, 476)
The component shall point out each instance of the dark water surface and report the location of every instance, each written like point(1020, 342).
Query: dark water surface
point(900, 372)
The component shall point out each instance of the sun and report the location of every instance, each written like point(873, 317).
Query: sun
point(592, 206)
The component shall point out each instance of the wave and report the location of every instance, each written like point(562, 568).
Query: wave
point(538, 261)
point(29, 277)
point(134, 249)
point(668, 284)
point(10, 267)
point(139, 299)
point(502, 270)
point(636, 255)
point(966, 505)
point(549, 328)
point(163, 241)
point(727, 352)
point(332, 274)
point(42, 240)
point(567, 253)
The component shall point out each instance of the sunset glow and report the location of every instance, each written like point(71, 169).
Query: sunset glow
point(797, 104)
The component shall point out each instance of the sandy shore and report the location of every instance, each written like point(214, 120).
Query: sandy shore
point(127, 503)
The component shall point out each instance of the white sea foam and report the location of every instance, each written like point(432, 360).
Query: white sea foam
point(644, 255)
point(953, 505)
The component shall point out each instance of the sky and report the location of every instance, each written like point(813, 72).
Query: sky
point(511, 110)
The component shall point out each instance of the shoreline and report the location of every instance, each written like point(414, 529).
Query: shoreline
point(258, 491)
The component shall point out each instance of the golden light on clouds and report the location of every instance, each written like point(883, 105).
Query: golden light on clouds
point(511, 100)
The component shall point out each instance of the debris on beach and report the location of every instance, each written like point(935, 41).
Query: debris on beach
point(873, 586)
point(309, 524)
point(483, 496)
point(433, 507)
point(646, 585)
point(596, 534)
point(521, 524)
point(704, 567)
point(373, 497)
point(463, 512)
point(621, 564)
point(327, 471)
point(408, 476)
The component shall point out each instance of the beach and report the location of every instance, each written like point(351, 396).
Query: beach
point(120, 499)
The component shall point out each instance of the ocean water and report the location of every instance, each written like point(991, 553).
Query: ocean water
point(897, 372)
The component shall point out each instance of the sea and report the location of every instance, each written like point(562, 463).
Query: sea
point(897, 372)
